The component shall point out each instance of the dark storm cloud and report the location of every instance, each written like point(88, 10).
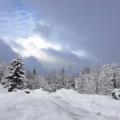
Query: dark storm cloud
point(96, 24)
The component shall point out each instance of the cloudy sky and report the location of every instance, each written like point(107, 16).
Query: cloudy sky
point(55, 33)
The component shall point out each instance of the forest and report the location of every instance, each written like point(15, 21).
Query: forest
point(90, 80)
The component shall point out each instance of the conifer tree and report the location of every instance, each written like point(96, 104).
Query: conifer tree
point(16, 74)
point(34, 71)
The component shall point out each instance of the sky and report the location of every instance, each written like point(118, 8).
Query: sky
point(55, 33)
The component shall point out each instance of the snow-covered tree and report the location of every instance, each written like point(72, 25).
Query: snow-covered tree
point(56, 79)
point(99, 80)
point(94, 76)
point(70, 76)
point(61, 79)
point(36, 81)
point(16, 74)
point(2, 69)
point(80, 82)
point(109, 78)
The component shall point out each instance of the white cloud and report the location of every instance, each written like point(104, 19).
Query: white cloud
point(35, 46)
point(80, 53)
point(28, 34)
point(43, 23)
point(15, 20)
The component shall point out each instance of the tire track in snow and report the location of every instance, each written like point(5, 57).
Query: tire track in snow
point(79, 113)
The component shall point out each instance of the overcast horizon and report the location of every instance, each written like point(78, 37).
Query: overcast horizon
point(54, 33)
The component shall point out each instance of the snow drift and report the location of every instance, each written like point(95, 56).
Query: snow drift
point(62, 105)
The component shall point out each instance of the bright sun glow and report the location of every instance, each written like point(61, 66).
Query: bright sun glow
point(35, 46)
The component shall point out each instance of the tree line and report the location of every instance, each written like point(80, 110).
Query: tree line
point(91, 80)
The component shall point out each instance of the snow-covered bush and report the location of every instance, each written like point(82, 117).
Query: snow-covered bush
point(116, 94)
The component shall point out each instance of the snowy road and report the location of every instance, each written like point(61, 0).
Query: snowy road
point(62, 105)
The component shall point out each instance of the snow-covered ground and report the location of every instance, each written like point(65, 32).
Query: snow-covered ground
point(62, 105)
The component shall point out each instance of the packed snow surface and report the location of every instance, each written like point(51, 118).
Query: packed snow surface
point(62, 105)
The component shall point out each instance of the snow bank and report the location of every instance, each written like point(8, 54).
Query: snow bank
point(62, 105)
